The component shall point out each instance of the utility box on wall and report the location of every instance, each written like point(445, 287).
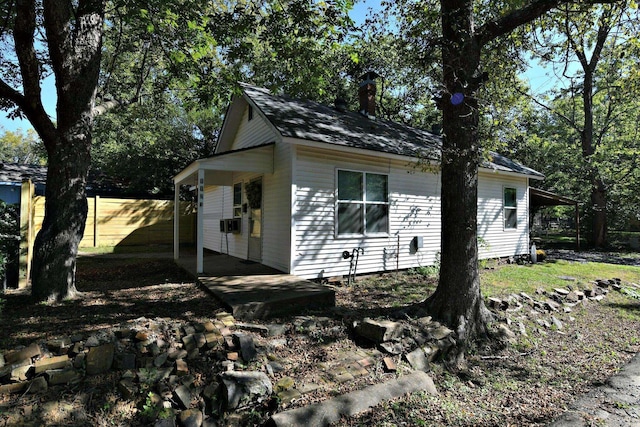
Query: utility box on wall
point(231, 225)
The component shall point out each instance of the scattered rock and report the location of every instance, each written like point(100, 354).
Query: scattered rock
point(506, 334)
point(522, 329)
point(190, 418)
point(557, 323)
point(127, 388)
point(182, 396)
point(379, 331)
point(288, 396)
point(389, 364)
point(495, 303)
point(526, 297)
point(242, 388)
point(38, 385)
point(275, 329)
point(100, 358)
point(247, 348)
point(418, 360)
point(13, 388)
point(26, 353)
point(63, 376)
point(19, 372)
point(391, 347)
point(440, 332)
point(42, 365)
point(181, 367)
point(284, 383)
point(551, 305)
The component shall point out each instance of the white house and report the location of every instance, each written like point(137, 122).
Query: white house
point(293, 184)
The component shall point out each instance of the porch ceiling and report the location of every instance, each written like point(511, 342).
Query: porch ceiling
point(219, 169)
point(546, 198)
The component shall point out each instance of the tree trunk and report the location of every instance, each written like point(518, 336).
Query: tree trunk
point(74, 39)
point(599, 206)
point(56, 245)
point(457, 300)
point(598, 188)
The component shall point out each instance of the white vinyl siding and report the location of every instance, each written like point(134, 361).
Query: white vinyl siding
point(276, 211)
point(276, 214)
point(219, 204)
point(496, 240)
point(413, 211)
point(252, 132)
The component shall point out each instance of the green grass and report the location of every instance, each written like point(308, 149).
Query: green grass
point(529, 277)
point(126, 249)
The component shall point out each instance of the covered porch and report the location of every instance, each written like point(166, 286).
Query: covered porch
point(541, 198)
point(216, 170)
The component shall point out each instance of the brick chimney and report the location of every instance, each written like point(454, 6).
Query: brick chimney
point(367, 94)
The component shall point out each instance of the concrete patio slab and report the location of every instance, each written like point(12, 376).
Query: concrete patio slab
point(251, 290)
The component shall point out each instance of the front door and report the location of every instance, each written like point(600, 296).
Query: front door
point(255, 219)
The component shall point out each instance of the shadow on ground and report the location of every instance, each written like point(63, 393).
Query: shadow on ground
point(112, 292)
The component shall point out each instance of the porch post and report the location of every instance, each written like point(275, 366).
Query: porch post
point(176, 221)
point(200, 224)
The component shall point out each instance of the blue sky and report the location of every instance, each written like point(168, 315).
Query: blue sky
point(538, 78)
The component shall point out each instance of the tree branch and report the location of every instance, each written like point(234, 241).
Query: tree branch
point(509, 22)
point(30, 103)
point(106, 106)
point(566, 119)
point(23, 35)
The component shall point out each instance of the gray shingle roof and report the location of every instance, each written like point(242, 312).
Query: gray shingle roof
point(312, 121)
point(14, 172)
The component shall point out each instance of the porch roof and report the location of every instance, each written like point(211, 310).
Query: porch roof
point(219, 169)
point(546, 198)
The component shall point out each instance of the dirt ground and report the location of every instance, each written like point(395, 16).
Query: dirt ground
point(527, 383)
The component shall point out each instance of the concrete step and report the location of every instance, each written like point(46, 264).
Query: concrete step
point(270, 295)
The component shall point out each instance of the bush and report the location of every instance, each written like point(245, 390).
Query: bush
point(9, 239)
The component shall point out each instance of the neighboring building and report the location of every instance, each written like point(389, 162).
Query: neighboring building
point(294, 184)
point(13, 174)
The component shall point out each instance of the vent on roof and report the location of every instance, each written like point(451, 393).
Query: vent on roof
point(340, 104)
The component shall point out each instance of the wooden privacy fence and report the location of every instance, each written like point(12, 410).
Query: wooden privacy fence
point(110, 222)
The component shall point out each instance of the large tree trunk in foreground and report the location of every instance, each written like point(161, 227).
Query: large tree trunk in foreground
point(457, 300)
point(74, 43)
point(56, 245)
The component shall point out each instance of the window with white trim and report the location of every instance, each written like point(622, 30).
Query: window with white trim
point(510, 208)
point(363, 204)
point(237, 200)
